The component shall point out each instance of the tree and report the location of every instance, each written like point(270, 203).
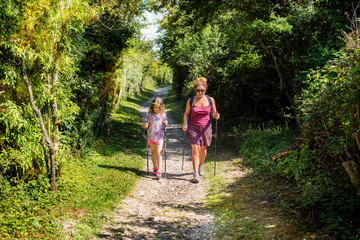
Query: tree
point(269, 45)
point(47, 48)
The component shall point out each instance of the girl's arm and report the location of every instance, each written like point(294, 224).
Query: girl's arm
point(146, 125)
point(165, 122)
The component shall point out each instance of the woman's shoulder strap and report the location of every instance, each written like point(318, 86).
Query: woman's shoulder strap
point(191, 100)
point(210, 101)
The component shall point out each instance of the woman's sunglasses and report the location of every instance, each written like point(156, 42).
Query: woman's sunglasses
point(200, 90)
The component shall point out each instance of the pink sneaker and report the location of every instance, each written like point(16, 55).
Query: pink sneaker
point(158, 175)
point(155, 170)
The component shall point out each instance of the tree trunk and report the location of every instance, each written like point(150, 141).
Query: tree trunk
point(352, 170)
point(55, 118)
point(119, 98)
point(278, 66)
point(47, 160)
point(53, 168)
point(44, 134)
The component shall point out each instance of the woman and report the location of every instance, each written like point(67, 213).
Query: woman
point(197, 122)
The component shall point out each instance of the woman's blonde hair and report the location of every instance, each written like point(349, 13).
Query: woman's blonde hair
point(201, 81)
point(157, 101)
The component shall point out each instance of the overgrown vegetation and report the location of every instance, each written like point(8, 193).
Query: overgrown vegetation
point(300, 184)
point(90, 186)
point(65, 66)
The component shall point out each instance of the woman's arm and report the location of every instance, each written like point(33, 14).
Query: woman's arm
point(186, 115)
point(214, 112)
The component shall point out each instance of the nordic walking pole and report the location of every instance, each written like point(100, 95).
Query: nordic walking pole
point(165, 149)
point(182, 165)
point(215, 146)
point(147, 151)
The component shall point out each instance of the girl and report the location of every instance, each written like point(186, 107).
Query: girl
point(155, 121)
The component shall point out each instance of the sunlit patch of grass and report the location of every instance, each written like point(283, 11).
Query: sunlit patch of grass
point(243, 212)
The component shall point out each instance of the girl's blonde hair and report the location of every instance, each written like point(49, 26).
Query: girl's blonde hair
point(201, 81)
point(157, 101)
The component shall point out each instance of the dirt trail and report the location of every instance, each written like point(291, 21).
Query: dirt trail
point(169, 208)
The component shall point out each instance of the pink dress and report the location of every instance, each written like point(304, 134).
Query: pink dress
point(156, 128)
point(199, 129)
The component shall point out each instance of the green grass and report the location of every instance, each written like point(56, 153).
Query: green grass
point(258, 145)
point(89, 187)
point(175, 106)
point(242, 205)
point(28, 210)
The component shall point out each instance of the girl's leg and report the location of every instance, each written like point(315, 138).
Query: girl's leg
point(154, 155)
point(158, 149)
point(195, 154)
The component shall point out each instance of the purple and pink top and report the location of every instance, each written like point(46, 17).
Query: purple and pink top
point(156, 126)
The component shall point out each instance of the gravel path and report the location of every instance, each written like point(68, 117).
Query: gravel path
point(169, 208)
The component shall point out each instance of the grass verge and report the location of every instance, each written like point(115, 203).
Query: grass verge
point(239, 197)
point(89, 187)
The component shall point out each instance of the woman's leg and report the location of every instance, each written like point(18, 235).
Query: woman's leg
point(195, 154)
point(203, 152)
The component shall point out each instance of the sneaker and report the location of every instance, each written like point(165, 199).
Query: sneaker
point(155, 170)
point(158, 175)
point(196, 178)
point(201, 170)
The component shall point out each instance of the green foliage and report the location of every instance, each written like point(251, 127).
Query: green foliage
point(28, 210)
point(318, 194)
point(72, 54)
point(21, 154)
point(329, 138)
point(252, 53)
point(91, 184)
point(258, 144)
point(329, 123)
